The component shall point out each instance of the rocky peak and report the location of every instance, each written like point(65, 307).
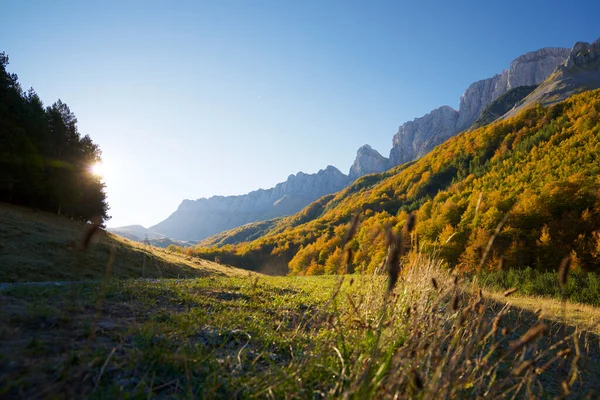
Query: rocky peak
point(580, 71)
point(584, 55)
point(416, 138)
point(527, 70)
point(368, 161)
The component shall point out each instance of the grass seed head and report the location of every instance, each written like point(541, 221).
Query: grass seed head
point(455, 303)
point(393, 259)
point(533, 333)
point(434, 283)
point(501, 263)
point(410, 222)
point(349, 259)
point(351, 231)
point(563, 271)
point(417, 380)
point(91, 230)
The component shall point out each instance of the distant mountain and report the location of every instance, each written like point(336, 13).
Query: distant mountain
point(202, 218)
point(368, 161)
point(198, 219)
point(135, 232)
point(138, 233)
point(539, 168)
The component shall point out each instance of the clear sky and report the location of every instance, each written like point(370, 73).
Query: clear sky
point(194, 99)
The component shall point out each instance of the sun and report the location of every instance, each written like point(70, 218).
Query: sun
point(98, 169)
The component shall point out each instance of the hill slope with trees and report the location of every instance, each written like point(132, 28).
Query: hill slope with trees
point(537, 172)
point(44, 160)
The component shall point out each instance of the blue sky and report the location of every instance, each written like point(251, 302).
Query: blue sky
point(194, 99)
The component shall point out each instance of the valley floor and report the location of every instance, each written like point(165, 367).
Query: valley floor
point(285, 337)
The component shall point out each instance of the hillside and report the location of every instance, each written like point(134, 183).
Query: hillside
point(540, 168)
point(502, 105)
point(39, 246)
point(199, 219)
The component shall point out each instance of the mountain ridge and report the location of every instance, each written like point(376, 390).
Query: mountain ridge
point(413, 140)
point(532, 167)
point(201, 218)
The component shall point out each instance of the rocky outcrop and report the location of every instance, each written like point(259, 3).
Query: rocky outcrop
point(579, 72)
point(583, 55)
point(199, 219)
point(415, 138)
point(368, 161)
point(418, 137)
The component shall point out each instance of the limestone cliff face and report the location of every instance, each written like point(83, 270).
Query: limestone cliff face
point(199, 219)
point(368, 161)
point(580, 71)
point(416, 138)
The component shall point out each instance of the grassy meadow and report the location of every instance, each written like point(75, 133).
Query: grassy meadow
point(432, 336)
point(77, 322)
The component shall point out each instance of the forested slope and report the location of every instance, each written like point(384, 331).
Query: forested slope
point(44, 160)
point(541, 167)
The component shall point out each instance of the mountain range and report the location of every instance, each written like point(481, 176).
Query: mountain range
point(525, 187)
point(513, 89)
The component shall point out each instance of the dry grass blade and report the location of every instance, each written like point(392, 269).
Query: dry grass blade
point(524, 366)
point(509, 292)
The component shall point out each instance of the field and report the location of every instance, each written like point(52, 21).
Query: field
point(212, 331)
point(284, 337)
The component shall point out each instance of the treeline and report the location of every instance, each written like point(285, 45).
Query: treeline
point(44, 161)
point(537, 174)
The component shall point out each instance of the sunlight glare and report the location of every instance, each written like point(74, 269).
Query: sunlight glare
point(98, 169)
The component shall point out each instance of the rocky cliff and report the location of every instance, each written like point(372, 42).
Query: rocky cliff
point(418, 137)
point(199, 219)
point(580, 71)
point(368, 161)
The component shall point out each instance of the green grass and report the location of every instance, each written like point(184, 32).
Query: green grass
point(226, 333)
point(279, 337)
point(581, 287)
